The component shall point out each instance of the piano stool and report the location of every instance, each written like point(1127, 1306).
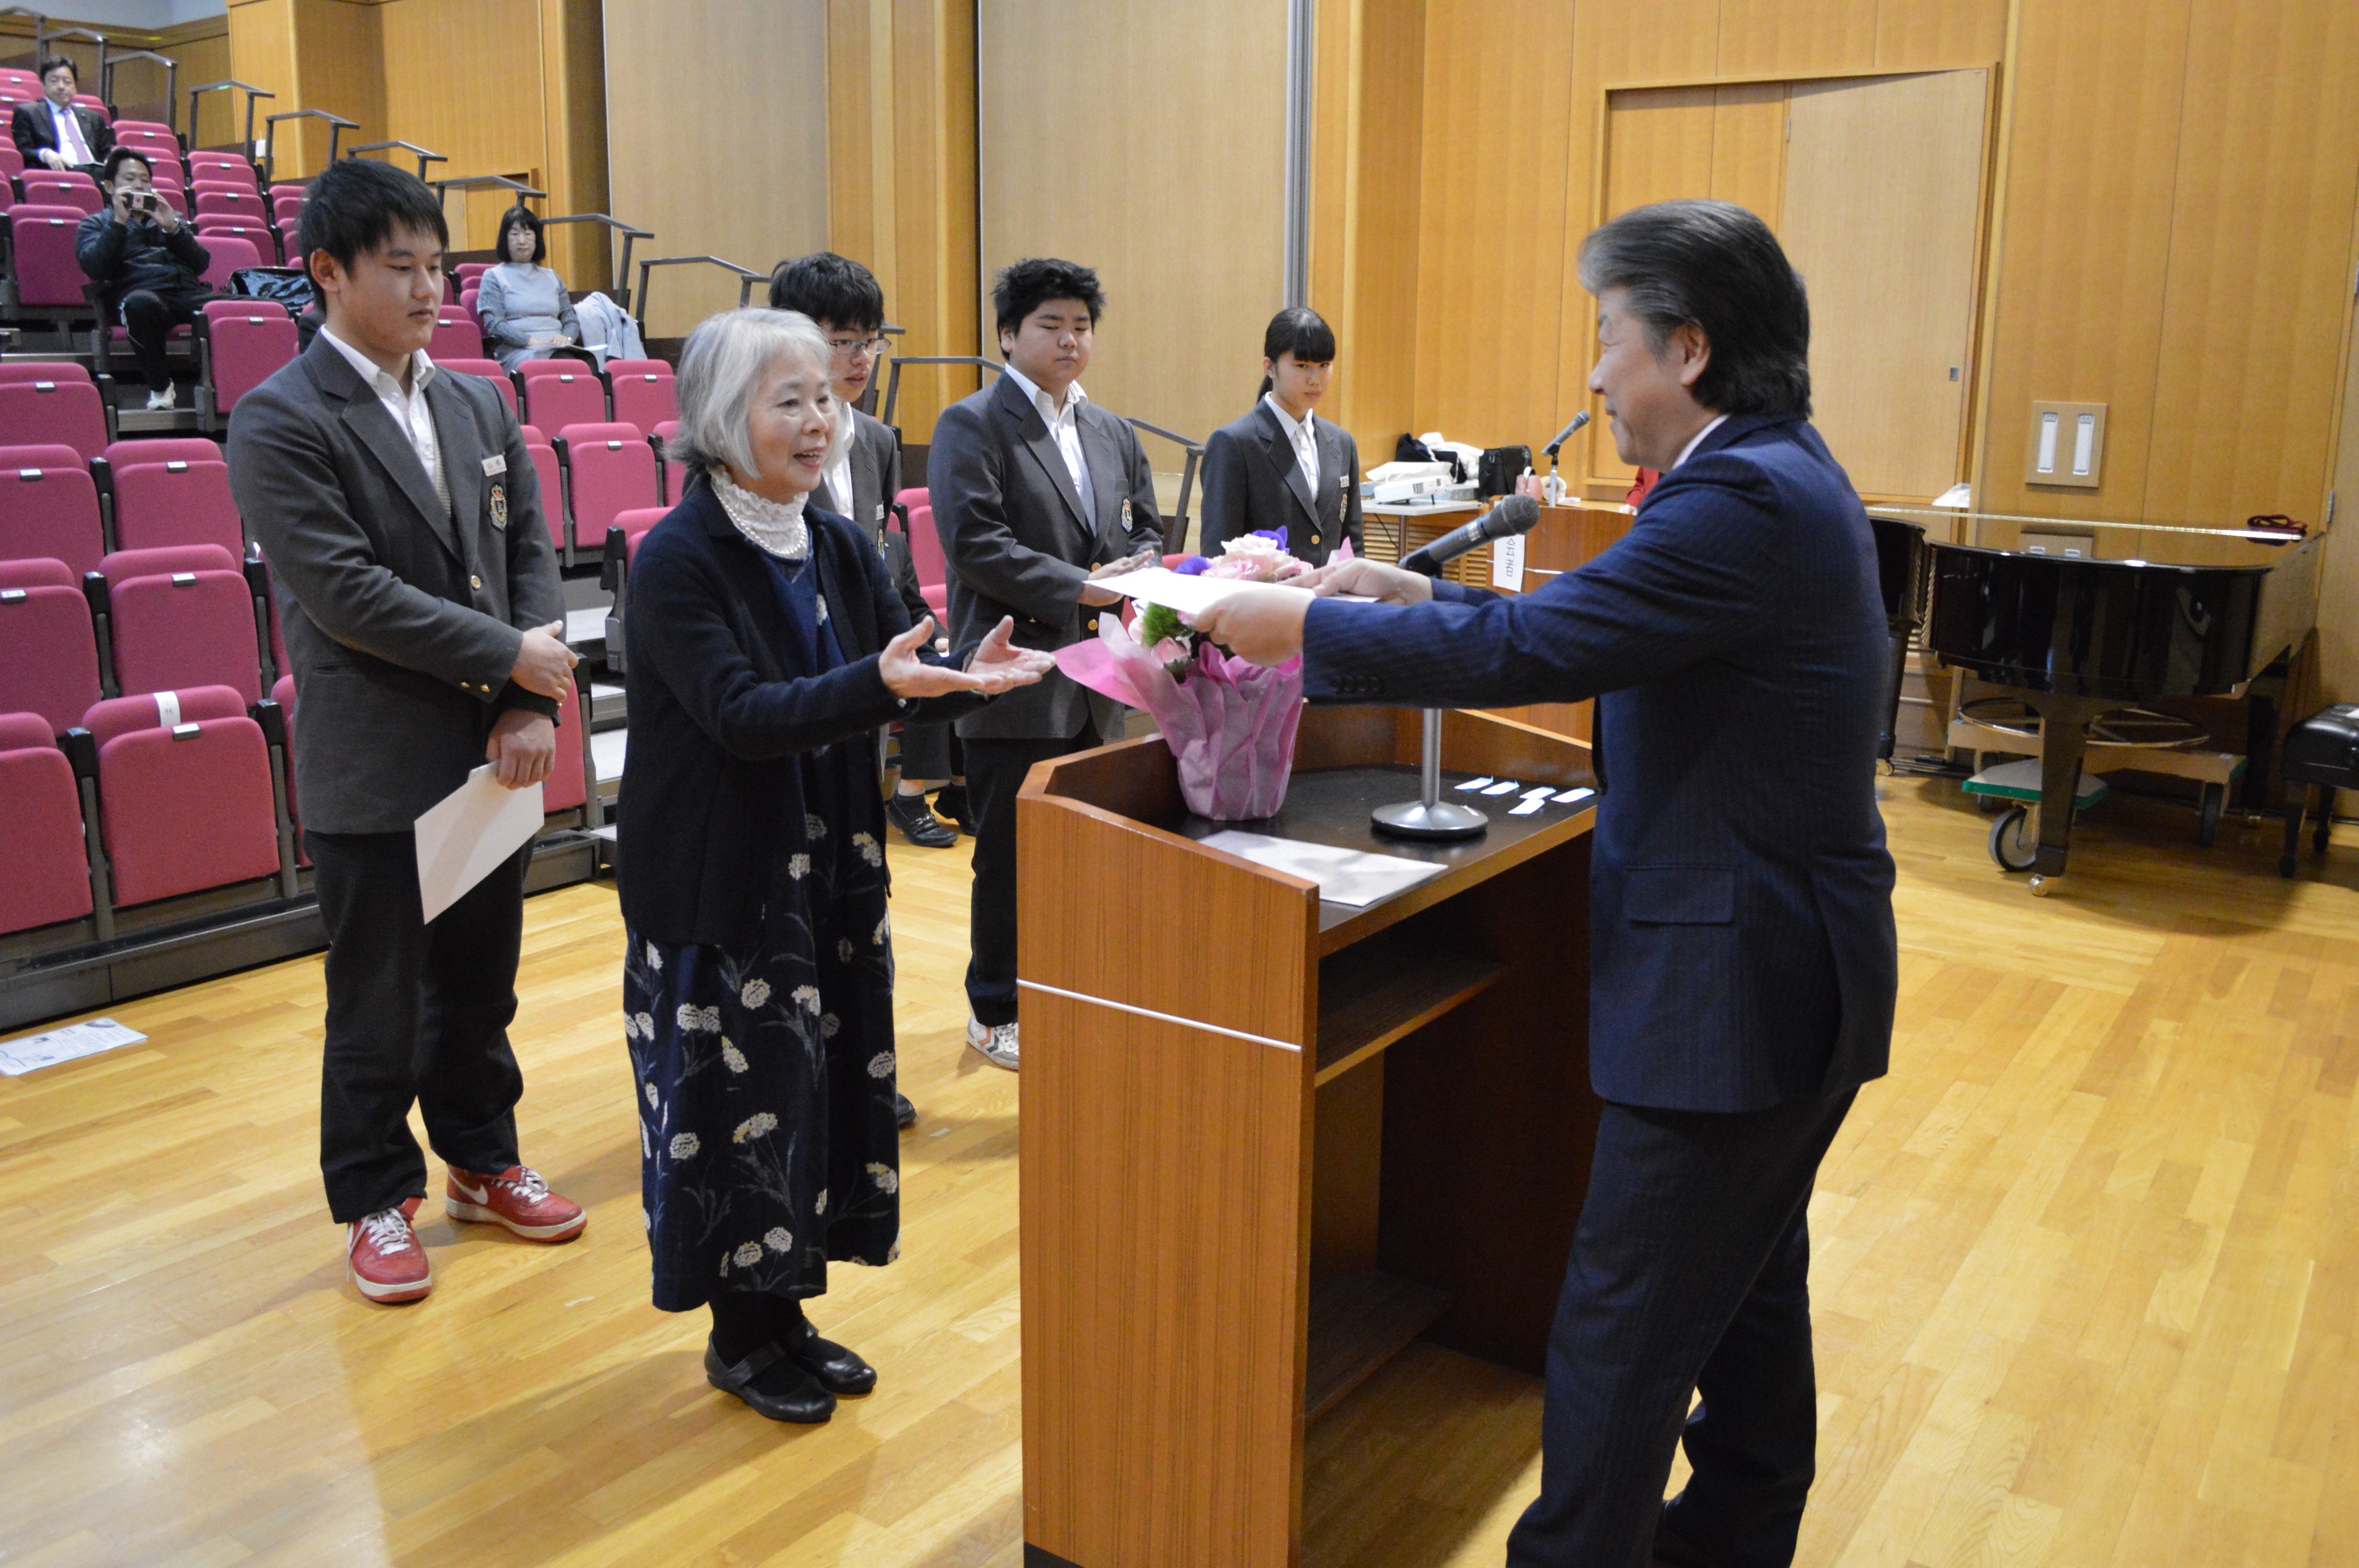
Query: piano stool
point(2322, 750)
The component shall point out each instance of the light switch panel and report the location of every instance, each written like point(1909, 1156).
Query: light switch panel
point(2068, 445)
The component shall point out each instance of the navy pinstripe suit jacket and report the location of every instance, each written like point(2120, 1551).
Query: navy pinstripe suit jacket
point(1742, 944)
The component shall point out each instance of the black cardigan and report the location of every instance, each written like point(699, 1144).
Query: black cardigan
point(720, 705)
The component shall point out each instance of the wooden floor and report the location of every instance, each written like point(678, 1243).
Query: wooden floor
point(2087, 1276)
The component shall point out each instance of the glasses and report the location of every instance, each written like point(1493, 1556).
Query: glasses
point(849, 348)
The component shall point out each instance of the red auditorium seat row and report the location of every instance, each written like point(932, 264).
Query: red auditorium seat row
point(925, 548)
point(44, 871)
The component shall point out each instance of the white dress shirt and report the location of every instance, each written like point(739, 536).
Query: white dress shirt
point(408, 408)
point(1306, 442)
point(838, 473)
point(1064, 429)
point(1697, 440)
point(69, 132)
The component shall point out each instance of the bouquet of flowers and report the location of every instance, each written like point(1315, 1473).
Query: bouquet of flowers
point(1229, 724)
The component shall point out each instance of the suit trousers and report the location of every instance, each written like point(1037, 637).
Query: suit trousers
point(148, 315)
point(995, 773)
point(1690, 1274)
point(417, 1014)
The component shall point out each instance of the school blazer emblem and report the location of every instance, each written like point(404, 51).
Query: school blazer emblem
point(499, 506)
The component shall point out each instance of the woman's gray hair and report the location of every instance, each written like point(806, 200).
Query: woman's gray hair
point(719, 371)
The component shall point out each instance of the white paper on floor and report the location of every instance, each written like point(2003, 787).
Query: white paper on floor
point(88, 1038)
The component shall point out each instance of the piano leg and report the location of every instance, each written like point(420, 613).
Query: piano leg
point(1899, 671)
point(2063, 738)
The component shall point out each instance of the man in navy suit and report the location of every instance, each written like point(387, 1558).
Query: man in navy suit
point(1744, 956)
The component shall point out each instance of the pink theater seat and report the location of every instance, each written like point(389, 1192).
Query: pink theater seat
point(925, 541)
point(287, 212)
point(558, 392)
point(46, 277)
point(62, 187)
point(49, 507)
point(624, 536)
point(44, 874)
point(225, 253)
point(223, 169)
point(567, 787)
point(456, 336)
point(212, 198)
point(17, 82)
point(643, 391)
point(160, 504)
point(550, 473)
point(96, 105)
point(48, 654)
point(262, 238)
point(163, 449)
point(12, 162)
point(609, 470)
point(487, 370)
point(675, 473)
point(469, 273)
point(182, 616)
point(285, 188)
point(45, 403)
point(184, 790)
point(283, 694)
point(242, 343)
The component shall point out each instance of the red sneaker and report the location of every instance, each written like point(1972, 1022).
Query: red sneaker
point(387, 1260)
point(517, 1198)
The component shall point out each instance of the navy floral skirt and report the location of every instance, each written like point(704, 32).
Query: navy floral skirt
point(767, 1141)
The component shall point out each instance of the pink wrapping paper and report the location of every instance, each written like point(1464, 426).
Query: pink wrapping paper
point(1230, 725)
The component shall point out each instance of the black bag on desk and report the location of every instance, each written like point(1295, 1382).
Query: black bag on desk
point(1500, 468)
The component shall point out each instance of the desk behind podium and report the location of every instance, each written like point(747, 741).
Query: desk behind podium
point(1268, 1142)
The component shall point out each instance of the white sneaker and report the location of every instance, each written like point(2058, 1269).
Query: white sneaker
point(161, 402)
point(996, 1042)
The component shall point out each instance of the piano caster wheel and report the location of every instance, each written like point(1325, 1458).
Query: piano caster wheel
point(2207, 822)
point(2015, 839)
point(2042, 886)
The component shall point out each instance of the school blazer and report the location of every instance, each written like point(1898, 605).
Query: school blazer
point(1252, 484)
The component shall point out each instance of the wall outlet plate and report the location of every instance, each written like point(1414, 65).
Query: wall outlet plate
point(2068, 445)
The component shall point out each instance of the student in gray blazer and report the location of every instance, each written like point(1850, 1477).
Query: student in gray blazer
point(1035, 489)
point(423, 618)
point(1281, 467)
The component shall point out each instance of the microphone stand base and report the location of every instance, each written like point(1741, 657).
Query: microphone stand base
point(1437, 819)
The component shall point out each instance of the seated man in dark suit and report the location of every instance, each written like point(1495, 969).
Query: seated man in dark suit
point(1743, 959)
point(57, 133)
point(141, 253)
point(1034, 487)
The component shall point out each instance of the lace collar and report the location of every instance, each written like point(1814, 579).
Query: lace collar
point(776, 527)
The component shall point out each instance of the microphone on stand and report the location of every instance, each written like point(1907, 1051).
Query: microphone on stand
point(1579, 419)
point(1514, 514)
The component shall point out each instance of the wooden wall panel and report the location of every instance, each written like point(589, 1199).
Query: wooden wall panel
point(2338, 575)
point(749, 186)
point(1492, 262)
point(2260, 265)
point(485, 122)
point(262, 51)
point(1749, 148)
point(1148, 142)
point(1934, 34)
point(573, 168)
point(1780, 39)
point(340, 67)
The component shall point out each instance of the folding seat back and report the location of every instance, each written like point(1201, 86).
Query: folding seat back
point(44, 874)
point(675, 473)
point(558, 392)
point(456, 336)
point(287, 212)
point(225, 253)
point(62, 187)
point(163, 449)
point(469, 274)
point(264, 238)
point(551, 474)
point(214, 198)
point(175, 502)
point(567, 787)
point(471, 300)
point(49, 506)
point(643, 391)
point(245, 343)
point(146, 128)
point(610, 469)
point(182, 616)
point(17, 82)
point(48, 655)
point(283, 694)
point(489, 370)
point(95, 104)
point(925, 544)
point(48, 277)
point(12, 162)
point(624, 534)
point(55, 403)
point(285, 187)
point(223, 168)
point(185, 795)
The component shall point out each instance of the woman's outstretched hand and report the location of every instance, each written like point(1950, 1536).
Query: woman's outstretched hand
point(996, 667)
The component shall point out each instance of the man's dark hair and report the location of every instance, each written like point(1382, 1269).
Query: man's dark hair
point(1716, 265)
point(55, 60)
point(355, 205)
point(834, 291)
point(118, 158)
point(1025, 286)
point(522, 215)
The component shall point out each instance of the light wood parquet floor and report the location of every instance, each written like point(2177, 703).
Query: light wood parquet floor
point(2087, 1277)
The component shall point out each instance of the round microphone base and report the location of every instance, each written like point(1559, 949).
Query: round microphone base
point(1440, 819)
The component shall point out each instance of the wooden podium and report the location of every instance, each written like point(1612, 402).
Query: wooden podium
point(1267, 1141)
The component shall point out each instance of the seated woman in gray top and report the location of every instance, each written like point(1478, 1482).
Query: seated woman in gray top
point(526, 311)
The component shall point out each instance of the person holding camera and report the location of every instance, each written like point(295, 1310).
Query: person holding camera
point(141, 254)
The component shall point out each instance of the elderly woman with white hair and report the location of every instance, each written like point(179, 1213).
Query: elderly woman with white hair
point(764, 646)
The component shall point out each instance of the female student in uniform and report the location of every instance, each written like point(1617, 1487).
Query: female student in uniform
point(1281, 466)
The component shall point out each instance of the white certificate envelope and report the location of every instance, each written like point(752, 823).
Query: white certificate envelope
point(470, 831)
point(1188, 595)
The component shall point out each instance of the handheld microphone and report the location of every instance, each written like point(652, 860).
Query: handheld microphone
point(1514, 514)
point(1577, 421)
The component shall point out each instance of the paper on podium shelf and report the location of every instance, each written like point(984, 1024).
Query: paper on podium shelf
point(1344, 876)
point(467, 833)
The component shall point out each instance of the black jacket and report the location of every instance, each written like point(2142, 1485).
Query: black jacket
point(1253, 483)
point(32, 130)
point(122, 257)
point(721, 707)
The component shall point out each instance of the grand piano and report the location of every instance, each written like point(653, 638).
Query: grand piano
point(2075, 639)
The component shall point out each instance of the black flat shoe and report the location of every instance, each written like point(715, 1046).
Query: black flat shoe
point(836, 1370)
point(806, 1404)
point(904, 1112)
point(918, 825)
point(951, 801)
